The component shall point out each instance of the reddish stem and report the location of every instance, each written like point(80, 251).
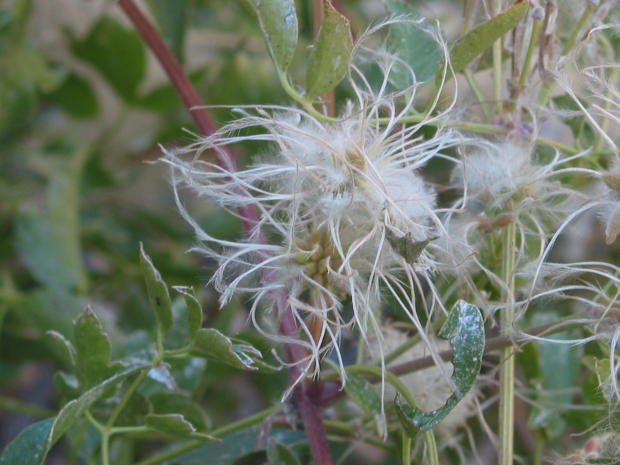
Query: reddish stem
point(304, 394)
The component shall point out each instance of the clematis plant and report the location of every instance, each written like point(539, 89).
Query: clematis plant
point(428, 225)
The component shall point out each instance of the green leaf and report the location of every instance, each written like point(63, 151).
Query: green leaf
point(194, 311)
point(117, 52)
point(93, 349)
point(560, 366)
point(77, 97)
point(211, 343)
point(158, 292)
point(172, 18)
point(278, 21)
point(528, 358)
point(415, 42)
point(33, 444)
point(464, 329)
point(279, 454)
point(476, 41)
point(176, 425)
point(559, 370)
point(48, 239)
point(174, 402)
point(64, 347)
point(329, 59)
point(29, 448)
point(364, 395)
point(76, 408)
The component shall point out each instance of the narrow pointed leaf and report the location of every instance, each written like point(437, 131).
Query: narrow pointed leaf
point(158, 292)
point(415, 42)
point(464, 329)
point(211, 343)
point(329, 59)
point(194, 311)
point(64, 347)
point(484, 34)
point(176, 425)
point(93, 350)
point(278, 21)
point(364, 395)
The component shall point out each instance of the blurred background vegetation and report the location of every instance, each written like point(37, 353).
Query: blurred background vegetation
point(83, 107)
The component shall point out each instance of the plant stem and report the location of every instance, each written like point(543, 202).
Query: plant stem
point(497, 64)
point(346, 428)
point(160, 341)
point(412, 341)
point(406, 449)
point(75, 448)
point(600, 140)
point(507, 369)
point(473, 84)
point(107, 430)
point(540, 444)
point(129, 430)
point(429, 436)
point(219, 432)
point(309, 411)
point(571, 40)
point(305, 390)
point(128, 393)
point(530, 52)
point(549, 84)
point(105, 438)
point(483, 129)
point(189, 96)
point(491, 345)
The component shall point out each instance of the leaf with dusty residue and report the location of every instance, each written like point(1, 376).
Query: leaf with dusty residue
point(464, 329)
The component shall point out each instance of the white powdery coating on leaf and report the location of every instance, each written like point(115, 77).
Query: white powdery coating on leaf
point(429, 386)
